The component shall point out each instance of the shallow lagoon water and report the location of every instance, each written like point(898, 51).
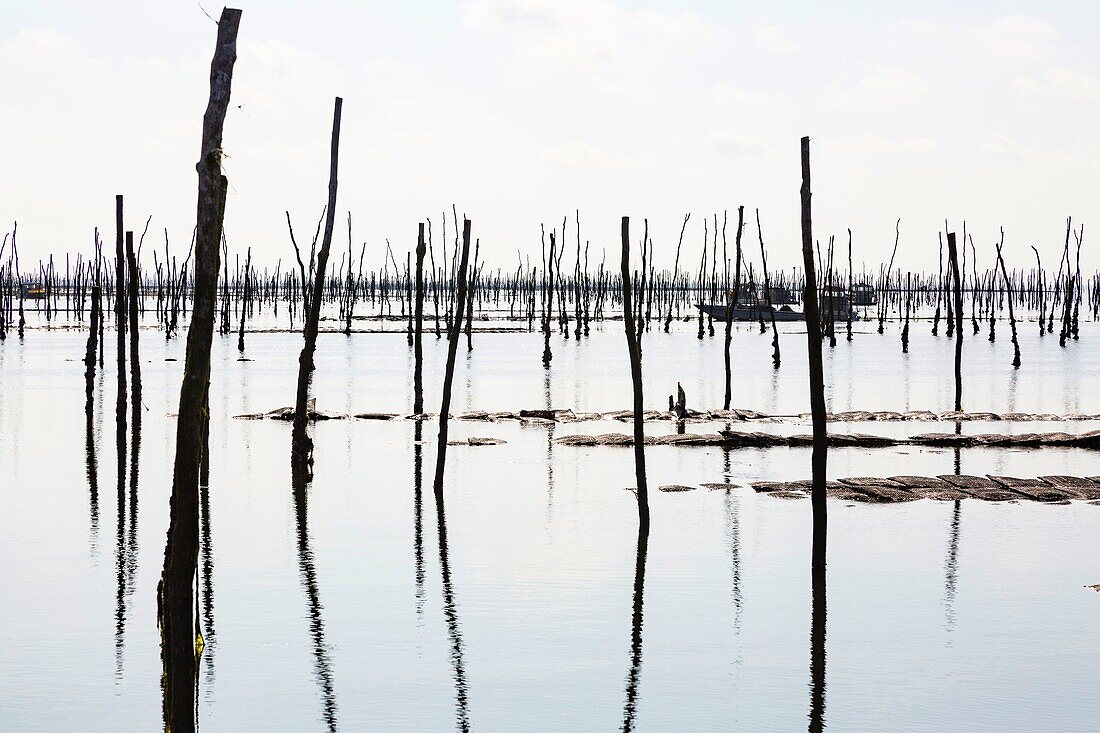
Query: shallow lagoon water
point(941, 616)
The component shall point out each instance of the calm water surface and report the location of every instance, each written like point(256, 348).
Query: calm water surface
point(329, 611)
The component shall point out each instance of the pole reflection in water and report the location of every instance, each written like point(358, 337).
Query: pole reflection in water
point(450, 615)
point(550, 430)
point(301, 478)
point(631, 706)
point(418, 518)
point(951, 567)
point(121, 552)
point(958, 451)
point(93, 477)
point(132, 528)
point(206, 554)
point(817, 636)
point(733, 531)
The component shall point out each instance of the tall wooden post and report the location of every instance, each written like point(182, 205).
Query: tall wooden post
point(120, 315)
point(132, 302)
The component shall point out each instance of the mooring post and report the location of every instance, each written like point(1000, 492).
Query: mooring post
point(418, 349)
point(636, 378)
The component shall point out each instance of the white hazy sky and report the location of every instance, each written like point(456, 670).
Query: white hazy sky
point(521, 111)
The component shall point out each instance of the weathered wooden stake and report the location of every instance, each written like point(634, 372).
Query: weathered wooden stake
point(1011, 314)
point(817, 376)
point(418, 348)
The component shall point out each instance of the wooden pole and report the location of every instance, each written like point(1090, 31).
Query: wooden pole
point(731, 303)
point(179, 646)
point(1011, 313)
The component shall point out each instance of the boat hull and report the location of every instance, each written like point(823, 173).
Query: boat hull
point(752, 314)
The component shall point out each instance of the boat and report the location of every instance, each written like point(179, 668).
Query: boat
point(838, 302)
point(863, 294)
point(752, 311)
point(755, 307)
point(33, 292)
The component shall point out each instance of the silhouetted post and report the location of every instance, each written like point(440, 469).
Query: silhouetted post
point(1042, 291)
point(1008, 294)
point(731, 303)
point(135, 362)
point(418, 348)
point(179, 647)
point(120, 317)
point(851, 292)
point(452, 351)
point(817, 377)
point(547, 355)
point(246, 297)
point(908, 304)
point(301, 442)
point(768, 294)
point(953, 258)
point(636, 378)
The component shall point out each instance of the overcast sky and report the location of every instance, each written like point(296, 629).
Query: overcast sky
point(522, 111)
